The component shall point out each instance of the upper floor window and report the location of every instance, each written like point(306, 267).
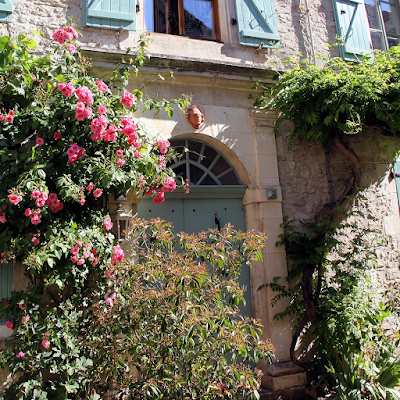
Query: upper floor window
point(364, 25)
point(384, 23)
point(193, 18)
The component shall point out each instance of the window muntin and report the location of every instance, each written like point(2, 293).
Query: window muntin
point(192, 18)
point(202, 164)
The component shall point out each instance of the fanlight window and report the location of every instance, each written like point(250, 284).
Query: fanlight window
point(202, 164)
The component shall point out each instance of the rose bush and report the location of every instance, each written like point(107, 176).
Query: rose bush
point(66, 140)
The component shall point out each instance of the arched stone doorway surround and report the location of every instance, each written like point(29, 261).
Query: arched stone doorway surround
point(258, 210)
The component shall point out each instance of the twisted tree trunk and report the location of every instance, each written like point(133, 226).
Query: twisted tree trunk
point(309, 297)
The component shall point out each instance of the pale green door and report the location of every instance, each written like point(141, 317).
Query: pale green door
point(215, 198)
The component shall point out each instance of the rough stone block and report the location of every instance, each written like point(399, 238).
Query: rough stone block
point(283, 382)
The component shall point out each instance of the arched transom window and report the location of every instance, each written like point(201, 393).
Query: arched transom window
point(202, 164)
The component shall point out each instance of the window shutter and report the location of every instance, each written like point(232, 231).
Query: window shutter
point(110, 14)
point(353, 28)
point(257, 23)
point(396, 174)
point(5, 10)
point(6, 277)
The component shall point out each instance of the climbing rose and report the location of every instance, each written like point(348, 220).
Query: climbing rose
point(97, 193)
point(118, 255)
point(128, 99)
point(84, 95)
point(57, 135)
point(9, 325)
point(120, 162)
point(39, 141)
point(158, 198)
point(102, 86)
point(108, 224)
point(20, 355)
point(71, 48)
point(35, 194)
point(35, 241)
point(45, 343)
point(101, 110)
point(14, 199)
point(25, 319)
point(67, 89)
point(89, 187)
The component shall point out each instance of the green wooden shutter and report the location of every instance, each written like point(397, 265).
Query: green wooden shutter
point(5, 10)
point(6, 277)
point(257, 23)
point(110, 14)
point(396, 174)
point(353, 28)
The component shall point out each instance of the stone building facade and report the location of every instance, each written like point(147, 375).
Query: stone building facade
point(217, 68)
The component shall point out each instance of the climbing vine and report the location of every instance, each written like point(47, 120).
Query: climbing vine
point(328, 296)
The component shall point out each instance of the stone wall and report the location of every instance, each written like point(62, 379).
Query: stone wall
point(305, 190)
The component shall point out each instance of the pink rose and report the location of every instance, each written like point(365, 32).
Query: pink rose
point(120, 162)
point(128, 99)
point(102, 86)
point(71, 48)
point(118, 255)
point(10, 325)
point(3, 219)
point(35, 241)
point(97, 193)
point(35, 220)
point(81, 261)
point(57, 135)
point(25, 319)
point(108, 224)
point(89, 187)
point(20, 355)
point(79, 243)
point(119, 153)
point(35, 194)
point(158, 198)
point(14, 199)
point(101, 110)
point(67, 89)
point(138, 154)
point(39, 141)
point(9, 118)
point(45, 343)
point(28, 212)
point(74, 259)
point(74, 250)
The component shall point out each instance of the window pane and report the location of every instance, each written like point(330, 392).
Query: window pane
point(372, 14)
point(377, 41)
point(199, 19)
point(393, 41)
point(149, 15)
point(161, 16)
point(391, 19)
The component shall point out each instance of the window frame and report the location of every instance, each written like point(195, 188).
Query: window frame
point(181, 20)
point(382, 30)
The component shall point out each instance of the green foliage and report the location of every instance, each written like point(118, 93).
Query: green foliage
point(339, 96)
point(353, 353)
point(174, 330)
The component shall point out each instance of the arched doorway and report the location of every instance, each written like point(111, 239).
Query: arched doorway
point(215, 197)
